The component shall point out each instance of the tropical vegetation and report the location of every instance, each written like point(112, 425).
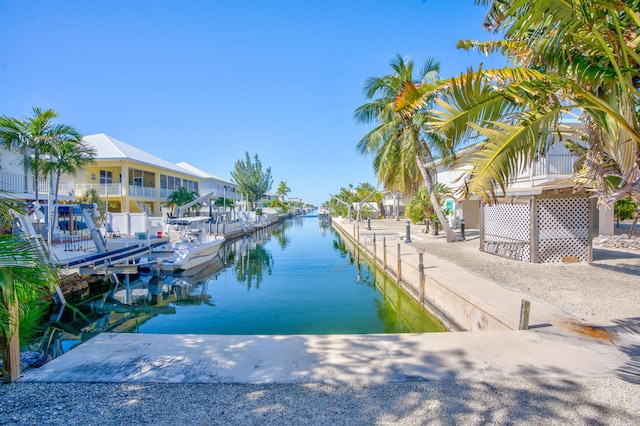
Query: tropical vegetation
point(25, 279)
point(41, 142)
point(403, 149)
point(420, 207)
point(342, 203)
point(569, 58)
point(182, 197)
point(253, 182)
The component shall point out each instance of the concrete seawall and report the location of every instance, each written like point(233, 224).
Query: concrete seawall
point(460, 299)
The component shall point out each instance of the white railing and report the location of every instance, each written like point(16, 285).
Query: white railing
point(549, 165)
point(102, 190)
point(12, 182)
point(142, 191)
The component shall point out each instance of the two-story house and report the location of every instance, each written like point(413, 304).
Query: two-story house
point(131, 180)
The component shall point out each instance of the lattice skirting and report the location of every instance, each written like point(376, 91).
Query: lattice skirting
point(561, 230)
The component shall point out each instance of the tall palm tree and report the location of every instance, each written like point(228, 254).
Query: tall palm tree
point(71, 156)
point(567, 56)
point(34, 137)
point(402, 149)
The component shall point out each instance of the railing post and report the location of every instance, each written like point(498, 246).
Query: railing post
point(525, 307)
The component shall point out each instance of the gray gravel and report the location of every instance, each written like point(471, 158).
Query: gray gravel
point(605, 292)
point(515, 401)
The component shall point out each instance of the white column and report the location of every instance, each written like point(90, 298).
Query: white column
point(606, 220)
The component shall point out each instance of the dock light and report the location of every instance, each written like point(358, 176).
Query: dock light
point(407, 239)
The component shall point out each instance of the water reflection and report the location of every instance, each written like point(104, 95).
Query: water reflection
point(297, 277)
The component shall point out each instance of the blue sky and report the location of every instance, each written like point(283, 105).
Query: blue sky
point(205, 81)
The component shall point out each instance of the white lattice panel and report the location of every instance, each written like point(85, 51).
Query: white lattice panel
point(507, 230)
point(563, 229)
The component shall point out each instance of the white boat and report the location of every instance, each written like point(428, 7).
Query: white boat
point(192, 244)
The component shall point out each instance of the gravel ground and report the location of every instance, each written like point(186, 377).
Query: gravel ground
point(515, 401)
point(605, 292)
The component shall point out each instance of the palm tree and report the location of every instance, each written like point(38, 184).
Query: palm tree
point(403, 152)
point(25, 277)
point(35, 137)
point(567, 56)
point(421, 207)
point(71, 156)
point(183, 196)
point(283, 190)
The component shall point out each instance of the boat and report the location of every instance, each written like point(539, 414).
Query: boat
point(192, 244)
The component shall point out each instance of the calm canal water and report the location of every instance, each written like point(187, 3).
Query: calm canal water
point(296, 277)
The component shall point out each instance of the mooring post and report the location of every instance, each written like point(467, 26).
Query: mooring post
point(435, 226)
point(407, 238)
point(399, 265)
point(384, 252)
point(421, 274)
point(374, 248)
point(368, 224)
point(426, 226)
point(462, 228)
point(525, 307)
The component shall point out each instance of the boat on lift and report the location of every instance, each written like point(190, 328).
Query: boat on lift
point(192, 244)
point(191, 239)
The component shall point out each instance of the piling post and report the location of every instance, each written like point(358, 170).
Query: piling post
point(375, 260)
point(384, 252)
point(421, 273)
point(525, 307)
point(399, 265)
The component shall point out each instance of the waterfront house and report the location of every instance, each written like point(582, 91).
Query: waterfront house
point(132, 180)
point(540, 217)
point(211, 183)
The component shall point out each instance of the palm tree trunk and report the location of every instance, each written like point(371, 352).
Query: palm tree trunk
point(11, 346)
point(451, 236)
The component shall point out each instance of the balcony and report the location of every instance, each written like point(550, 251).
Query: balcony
point(142, 191)
point(12, 182)
point(113, 189)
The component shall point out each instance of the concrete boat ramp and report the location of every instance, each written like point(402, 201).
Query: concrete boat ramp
point(366, 359)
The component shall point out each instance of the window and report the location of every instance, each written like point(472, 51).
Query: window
point(106, 177)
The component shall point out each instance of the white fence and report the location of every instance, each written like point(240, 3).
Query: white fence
point(133, 223)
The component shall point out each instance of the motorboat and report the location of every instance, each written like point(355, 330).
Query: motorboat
point(192, 244)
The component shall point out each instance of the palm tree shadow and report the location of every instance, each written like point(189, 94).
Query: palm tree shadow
point(630, 371)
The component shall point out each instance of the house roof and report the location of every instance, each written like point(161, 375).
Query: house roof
point(109, 148)
point(201, 173)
